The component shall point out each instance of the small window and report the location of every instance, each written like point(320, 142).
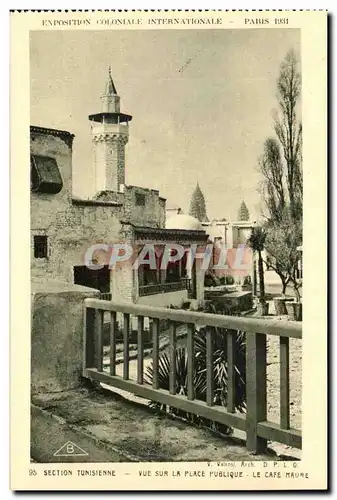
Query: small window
point(140, 199)
point(45, 175)
point(40, 247)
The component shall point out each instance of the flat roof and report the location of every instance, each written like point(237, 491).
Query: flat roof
point(96, 203)
point(50, 131)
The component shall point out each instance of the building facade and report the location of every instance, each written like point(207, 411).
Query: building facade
point(65, 228)
point(234, 236)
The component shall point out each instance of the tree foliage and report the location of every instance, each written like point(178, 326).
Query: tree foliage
point(288, 129)
point(273, 179)
point(281, 244)
point(281, 169)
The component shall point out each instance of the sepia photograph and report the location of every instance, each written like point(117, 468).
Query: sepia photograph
point(168, 271)
point(166, 199)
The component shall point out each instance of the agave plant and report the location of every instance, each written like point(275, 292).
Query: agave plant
point(220, 367)
point(164, 368)
point(220, 374)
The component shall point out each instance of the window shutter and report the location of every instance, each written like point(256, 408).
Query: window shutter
point(45, 175)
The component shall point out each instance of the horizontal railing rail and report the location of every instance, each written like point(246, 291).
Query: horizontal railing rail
point(154, 289)
point(254, 422)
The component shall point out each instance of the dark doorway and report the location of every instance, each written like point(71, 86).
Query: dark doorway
point(93, 278)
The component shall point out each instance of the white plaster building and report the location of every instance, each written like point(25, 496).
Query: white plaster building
point(232, 235)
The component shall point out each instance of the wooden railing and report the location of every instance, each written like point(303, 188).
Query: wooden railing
point(106, 296)
point(183, 284)
point(258, 429)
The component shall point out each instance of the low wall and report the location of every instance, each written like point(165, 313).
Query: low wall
point(56, 335)
point(164, 299)
point(271, 278)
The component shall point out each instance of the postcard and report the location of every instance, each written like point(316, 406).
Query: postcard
point(168, 256)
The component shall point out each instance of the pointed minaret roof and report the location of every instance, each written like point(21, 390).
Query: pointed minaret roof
point(110, 105)
point(110, 88)
point(198, 205)
point(243, 212)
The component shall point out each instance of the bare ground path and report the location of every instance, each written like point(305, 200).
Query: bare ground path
point(112, 429)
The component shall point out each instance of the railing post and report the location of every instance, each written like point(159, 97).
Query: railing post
point(256, 384)
point(231, 337)
point(155, 353)
point(209, 367)
point(140, 350)
point(99, 339)
point(173, 358)
point(88, 339)
point(126, 339)
point(190, 361)
point(284, 383)
point(113, 330)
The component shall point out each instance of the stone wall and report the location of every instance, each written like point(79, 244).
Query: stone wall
point(149, 214)
point(109, 161)
point(71, 233)
point(57, 335)
point(46, 205)
point(71, 228)
point(122, 282)
point(96, 225)
point(47, 209)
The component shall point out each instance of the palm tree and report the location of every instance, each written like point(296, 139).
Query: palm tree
point(256, 241)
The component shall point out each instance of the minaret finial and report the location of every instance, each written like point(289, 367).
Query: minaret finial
point(110, 88)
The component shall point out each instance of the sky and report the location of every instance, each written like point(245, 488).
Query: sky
point(202, 103)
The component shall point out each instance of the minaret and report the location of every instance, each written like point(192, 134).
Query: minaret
point(110, 133)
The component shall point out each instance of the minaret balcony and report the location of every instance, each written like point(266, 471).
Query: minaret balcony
point(110, 128)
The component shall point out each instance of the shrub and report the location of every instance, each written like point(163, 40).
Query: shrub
point(247, 280)
point(211, 279)
point(229, 280)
